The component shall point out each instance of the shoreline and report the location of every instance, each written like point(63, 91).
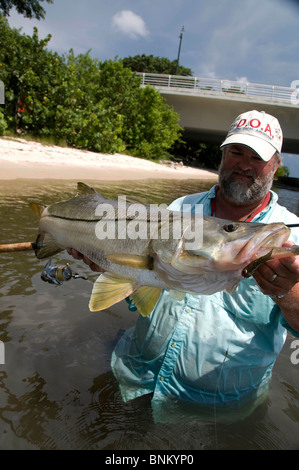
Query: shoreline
point(22, 159)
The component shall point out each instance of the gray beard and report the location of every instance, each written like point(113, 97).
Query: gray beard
point(241, 192)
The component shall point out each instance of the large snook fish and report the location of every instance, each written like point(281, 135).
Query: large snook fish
point(140, 267)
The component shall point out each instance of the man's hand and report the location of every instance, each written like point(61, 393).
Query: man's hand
point(278, 276)
point(75, 254)
point(280, 279)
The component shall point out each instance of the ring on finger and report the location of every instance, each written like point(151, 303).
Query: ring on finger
point(272, 279)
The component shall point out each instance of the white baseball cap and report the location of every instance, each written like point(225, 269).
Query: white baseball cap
point(259, 131)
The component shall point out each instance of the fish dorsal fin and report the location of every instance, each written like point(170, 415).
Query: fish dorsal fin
point(38, 209)
point(85, 190)
point(134, 261)
point(110, 289)
point(145, 299)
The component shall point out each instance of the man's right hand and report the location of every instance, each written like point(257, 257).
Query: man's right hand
point(94, 267)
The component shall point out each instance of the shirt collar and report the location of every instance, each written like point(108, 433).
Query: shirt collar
point(274, 198)
point(212, 192)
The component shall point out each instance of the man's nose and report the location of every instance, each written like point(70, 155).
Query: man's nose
point(245, 162)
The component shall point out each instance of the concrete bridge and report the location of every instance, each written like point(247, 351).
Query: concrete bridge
point(207, 107)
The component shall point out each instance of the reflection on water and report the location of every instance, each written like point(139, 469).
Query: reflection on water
point(56, 387)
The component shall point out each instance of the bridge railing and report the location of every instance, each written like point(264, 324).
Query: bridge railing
point(219, 86)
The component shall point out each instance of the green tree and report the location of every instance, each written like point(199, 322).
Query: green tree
point(151, 127)
point(29, 73)
point(282, 171)
point(151, 64)
point(3, 124)
point(138, 119)
point(28, 8)
point(90, 104)
point(84, 117)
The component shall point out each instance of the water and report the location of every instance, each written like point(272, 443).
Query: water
point(56, 387)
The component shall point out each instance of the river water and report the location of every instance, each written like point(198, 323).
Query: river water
point(56, 386)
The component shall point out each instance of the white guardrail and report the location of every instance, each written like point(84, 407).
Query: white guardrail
point(221, 86)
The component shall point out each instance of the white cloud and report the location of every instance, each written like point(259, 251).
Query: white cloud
point(127, 22)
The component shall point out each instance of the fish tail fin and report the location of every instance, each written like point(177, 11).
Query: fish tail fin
point(38, 209)
point(45, 245)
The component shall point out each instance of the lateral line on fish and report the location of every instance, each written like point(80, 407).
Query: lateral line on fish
point(67, 218)
point(94, 220)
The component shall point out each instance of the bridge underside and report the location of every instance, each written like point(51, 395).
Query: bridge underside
point(206, 119)
point(208, 137)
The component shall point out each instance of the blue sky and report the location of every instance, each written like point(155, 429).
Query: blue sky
point(249, 40)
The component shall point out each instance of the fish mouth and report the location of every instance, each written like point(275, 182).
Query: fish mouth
point(236, 254)
point(262, 242)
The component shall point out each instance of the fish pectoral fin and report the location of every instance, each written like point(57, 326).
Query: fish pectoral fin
point(48, 246)
point(145, 299)
point(38, 209)
point(134, 261)
point(110, 289)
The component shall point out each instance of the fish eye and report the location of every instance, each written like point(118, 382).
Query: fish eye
point(230, 227)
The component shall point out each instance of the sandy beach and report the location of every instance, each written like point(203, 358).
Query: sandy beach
point(28, 159)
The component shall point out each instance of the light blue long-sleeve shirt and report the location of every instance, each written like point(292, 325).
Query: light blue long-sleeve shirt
point(205, 349)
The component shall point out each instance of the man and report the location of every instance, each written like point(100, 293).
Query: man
point(220, 349)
